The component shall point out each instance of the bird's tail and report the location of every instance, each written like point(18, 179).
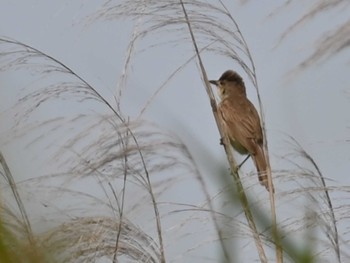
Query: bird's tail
point(263, 167)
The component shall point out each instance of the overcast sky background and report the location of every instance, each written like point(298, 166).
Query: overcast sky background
point(312, 106)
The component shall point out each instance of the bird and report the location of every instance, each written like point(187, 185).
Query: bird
point(242, 122)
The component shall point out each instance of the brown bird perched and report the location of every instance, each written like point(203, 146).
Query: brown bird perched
point(241, 121)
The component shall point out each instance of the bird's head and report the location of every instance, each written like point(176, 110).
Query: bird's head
point(229, 81)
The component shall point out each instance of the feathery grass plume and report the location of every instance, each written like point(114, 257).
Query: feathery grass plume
point(119, 154)
point(307, 189)
point(292, 231)
point(332, 41)
point(321, 199)
point(210, 23)
point(88, 239)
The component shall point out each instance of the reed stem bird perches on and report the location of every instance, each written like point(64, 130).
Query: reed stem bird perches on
point(242, 122)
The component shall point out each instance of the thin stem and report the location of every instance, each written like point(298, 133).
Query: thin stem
point(121, 210)
point(242, 195)
point(279, 249)
point(13, 186)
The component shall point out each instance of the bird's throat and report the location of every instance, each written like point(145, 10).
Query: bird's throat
point(222, 93)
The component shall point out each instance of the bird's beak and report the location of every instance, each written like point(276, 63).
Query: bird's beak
point(215, 82)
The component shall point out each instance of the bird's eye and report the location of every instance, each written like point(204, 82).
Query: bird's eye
point(221, 82)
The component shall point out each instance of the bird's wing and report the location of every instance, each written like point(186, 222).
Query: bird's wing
point(242, 121)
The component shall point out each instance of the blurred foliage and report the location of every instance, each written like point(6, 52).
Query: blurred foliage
point(15, 250)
